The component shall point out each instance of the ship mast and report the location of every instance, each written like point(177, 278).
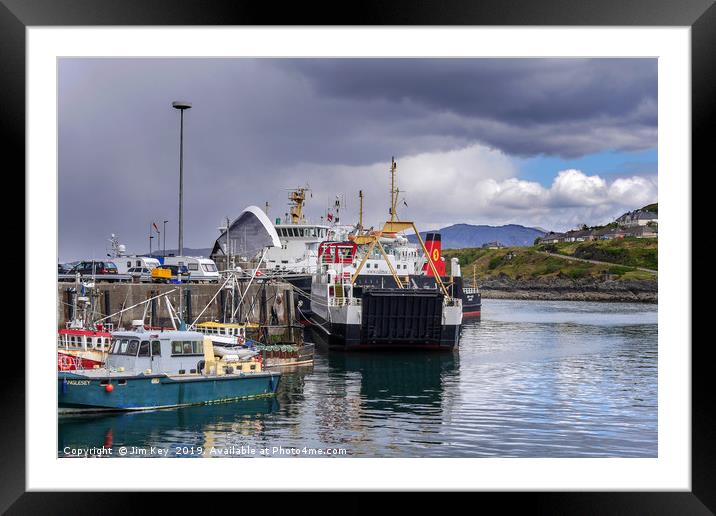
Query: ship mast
point(297, 197)
point(360, 211)
point(393, 189)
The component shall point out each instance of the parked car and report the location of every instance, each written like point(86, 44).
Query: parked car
point(62, 268)
point(140, 273)
point(93, 267)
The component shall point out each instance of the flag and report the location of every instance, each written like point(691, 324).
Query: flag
point(155, 227)
point(329, 217)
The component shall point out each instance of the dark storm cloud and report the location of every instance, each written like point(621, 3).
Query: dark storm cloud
point(259, 127)
point(512, 104)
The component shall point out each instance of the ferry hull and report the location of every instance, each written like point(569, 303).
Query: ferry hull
point(349, 337)
point(80, 391)
point(391, 319)
point(471, 302)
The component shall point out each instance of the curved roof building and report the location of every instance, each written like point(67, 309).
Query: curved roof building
point(249, 234)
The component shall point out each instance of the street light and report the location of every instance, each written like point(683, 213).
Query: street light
point(181, 106)
point(164, 232)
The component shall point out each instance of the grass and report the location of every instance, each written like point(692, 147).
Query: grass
point(629, 252)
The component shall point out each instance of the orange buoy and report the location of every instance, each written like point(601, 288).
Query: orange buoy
point(109, 387)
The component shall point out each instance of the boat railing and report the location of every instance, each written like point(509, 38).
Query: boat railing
point(343, 301)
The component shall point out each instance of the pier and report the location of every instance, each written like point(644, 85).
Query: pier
point(267, 304)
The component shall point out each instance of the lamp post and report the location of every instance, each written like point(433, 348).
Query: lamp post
point(164, 246)
point(181, 106)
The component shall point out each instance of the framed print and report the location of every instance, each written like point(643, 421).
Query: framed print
point(415, 250)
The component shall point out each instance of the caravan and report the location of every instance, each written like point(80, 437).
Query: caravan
point(200, 269)
point(124, 263)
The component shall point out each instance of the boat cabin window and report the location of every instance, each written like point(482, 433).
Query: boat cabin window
point(187, 347)
point(156, 348)
point(125, 347)
point(144, 348)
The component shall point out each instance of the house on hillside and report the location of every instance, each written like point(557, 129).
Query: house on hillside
point(552, 238)
point(650, 231)
point(638, 218)
point(493, 245)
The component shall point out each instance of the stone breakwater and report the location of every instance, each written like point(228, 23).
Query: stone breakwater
point(641, 291)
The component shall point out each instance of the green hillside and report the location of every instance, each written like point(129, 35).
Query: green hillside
point(631, 252)
point(530, 263)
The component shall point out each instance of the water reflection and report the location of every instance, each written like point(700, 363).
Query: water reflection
point(182, 427)
point(529, 379)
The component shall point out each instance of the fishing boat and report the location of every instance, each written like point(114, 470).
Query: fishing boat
point(81, 348)
point(83, 343)
point(149, 369)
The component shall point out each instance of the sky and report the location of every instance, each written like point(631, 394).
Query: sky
point(549, 143)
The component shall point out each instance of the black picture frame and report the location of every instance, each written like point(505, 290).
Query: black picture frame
point(700, 15)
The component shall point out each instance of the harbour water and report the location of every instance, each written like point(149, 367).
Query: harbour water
point(530, 379)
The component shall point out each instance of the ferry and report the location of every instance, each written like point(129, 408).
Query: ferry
point(149, 369)
point(366, 315)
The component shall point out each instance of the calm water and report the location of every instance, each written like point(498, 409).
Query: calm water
point(530, 379)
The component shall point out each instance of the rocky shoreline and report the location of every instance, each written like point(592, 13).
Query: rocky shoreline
point(640, 291)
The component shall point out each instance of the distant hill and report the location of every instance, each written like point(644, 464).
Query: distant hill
point(456, 236)
point(188, 251)
point(459, 236)
point(651, 207)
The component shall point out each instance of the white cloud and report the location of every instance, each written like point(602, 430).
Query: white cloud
point(574, 188)
point(475, 185)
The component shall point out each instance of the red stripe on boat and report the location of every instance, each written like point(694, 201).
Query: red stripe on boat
point(86, 333)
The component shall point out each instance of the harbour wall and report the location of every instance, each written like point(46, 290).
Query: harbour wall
point(265, 303)
point(640, 291)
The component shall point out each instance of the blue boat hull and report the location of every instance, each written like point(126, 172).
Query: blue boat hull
point(77, 391)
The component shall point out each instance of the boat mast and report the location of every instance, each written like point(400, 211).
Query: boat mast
point(393, 190)
point(360, 212)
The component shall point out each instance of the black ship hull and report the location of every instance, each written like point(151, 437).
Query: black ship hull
point(392, 319)
point(471, 298)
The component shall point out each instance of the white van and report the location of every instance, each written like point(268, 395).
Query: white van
point(124, 263)
point(200, 269)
